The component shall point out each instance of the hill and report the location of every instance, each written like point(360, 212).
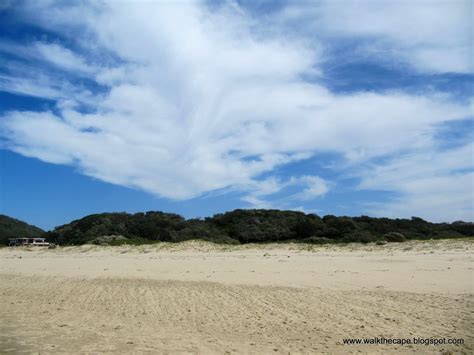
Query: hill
point(14, 228)
point(251, 226)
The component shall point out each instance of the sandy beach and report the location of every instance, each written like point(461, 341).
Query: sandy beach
point(197, 297)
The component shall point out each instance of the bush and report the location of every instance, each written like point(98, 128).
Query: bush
point(109, 240)
point(465, 228)
point(445, 234)
point(317, 240)
point(360, 237)
point(309, 226)
point(394, 237)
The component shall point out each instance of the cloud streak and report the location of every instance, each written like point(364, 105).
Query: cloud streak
point(431, 36)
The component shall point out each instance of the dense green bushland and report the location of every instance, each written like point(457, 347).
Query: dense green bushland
point(252, 226)
point(13, 228)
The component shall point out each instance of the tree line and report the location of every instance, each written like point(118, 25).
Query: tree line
point(251, 226)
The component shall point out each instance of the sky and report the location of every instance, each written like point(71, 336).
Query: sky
point(200, 107)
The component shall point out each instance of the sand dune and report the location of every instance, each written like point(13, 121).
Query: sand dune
point(202, 298)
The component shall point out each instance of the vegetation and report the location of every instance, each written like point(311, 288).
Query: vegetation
point(236, 227)
point(13, 228)
point(251, 226)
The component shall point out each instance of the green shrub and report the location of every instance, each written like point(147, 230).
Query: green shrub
point(360, 237)
point(394, 237)
point(317, 240)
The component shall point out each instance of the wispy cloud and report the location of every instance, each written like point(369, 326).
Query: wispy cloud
point(311, 187)
point(439, 184)
point(431, 36)
point(49, 53)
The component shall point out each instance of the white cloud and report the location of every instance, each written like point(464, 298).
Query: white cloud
point(315, 187)
point(432, 36)
point(62, 57)
point(50, 53)
point(434, 185)
point(198, 101)
point(311, 188)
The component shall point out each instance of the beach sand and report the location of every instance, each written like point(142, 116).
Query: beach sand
point(198, 297)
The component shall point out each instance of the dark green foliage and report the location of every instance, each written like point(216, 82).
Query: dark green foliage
point(317, 240)
point(330, 233)
point(343, 225)
point(394, 237)
point(255, 226)
point(240, 226)
point(13, 228)
point(360, 237)
point(444, 234)
point(309, 226)
point(154, 226)
point(464, 228)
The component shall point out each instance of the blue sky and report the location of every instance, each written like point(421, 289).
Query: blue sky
point(328, 107)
